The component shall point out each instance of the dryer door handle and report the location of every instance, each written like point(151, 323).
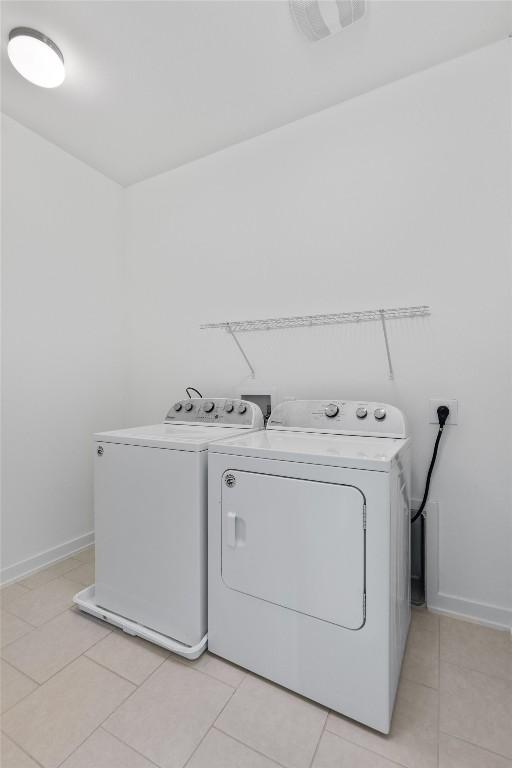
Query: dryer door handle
point(231, 529)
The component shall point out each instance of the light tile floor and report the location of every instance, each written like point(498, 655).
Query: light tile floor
point(79, 694)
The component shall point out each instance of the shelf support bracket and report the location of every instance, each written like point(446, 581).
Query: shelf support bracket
point(241, 349)
point(386, 342)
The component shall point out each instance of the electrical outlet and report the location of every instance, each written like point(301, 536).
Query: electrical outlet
point(453, 405)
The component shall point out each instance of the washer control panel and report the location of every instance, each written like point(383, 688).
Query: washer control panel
point(341, 417)
point(219, 412)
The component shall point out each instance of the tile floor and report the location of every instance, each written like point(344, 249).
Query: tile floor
point(79, 694)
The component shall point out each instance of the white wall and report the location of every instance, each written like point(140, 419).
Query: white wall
point(399, 197)
point(63, 354)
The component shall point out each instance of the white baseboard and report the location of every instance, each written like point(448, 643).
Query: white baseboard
point(452, 605)
point(44, 559)
point(480, 613)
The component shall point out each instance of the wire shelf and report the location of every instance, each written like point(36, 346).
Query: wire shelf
point(300, 321)
point(304, 321)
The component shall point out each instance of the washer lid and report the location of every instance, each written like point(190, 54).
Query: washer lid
point(350, 451)
point(188, 437)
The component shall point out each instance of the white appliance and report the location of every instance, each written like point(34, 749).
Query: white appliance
point(150, 507)
point(308, 549)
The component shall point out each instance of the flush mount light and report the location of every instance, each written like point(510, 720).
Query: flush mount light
point(36, 57)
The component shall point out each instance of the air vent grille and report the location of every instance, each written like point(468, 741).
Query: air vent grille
point(319, 19)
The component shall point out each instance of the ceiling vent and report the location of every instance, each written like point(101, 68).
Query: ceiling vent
point(318, 19)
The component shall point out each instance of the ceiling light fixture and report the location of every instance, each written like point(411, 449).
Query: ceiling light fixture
point(36, 57)
point(318, 19)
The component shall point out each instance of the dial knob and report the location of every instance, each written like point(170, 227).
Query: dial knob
point(242, 408)
point(209, 406)
point(177, 407)
point(331, 410)
point(189, 406)
point(362, 413)
point(229, 407)
point(380, 414)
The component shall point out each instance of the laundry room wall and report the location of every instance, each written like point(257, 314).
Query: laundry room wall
point(63, 356)
point(399, 197)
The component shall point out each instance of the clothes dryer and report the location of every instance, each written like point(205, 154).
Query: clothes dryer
point(309, 553)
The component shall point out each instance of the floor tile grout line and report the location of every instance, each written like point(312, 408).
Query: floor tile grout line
point(390, 760)
point(248, 746)
point(214, 724)
point(116, 737)
point(72, 607)
point(413, 680)
point(5, 711)
point(133, 692)
point(186, 663)
point(317, 747)
point(16, 640)
point(100, 725)
point(477, 746)
point(40, 685)
point(33, 627)
point(109, 669)
point(62, 668)
point(170, 657)
point(84, 740)
point(208, 729)
point(477, 671)
point(216, 727)
point(38, 626)
point(43, 568)
point(368, 749)
point(23, 749)
point(11, 664)
point(18, 617)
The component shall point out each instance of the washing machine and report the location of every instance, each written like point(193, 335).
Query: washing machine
point(308, 551)
point(150, 507)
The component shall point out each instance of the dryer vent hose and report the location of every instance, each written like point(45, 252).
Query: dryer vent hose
point(442, 414)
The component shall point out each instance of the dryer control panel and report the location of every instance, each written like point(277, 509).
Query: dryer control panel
point(339, 417)
point(218, 412)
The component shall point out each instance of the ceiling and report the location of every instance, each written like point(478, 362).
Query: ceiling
point(154, 84)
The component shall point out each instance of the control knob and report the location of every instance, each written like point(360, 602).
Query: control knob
point(331, 411)
point(380, 414)
point(242, 408)
point(177, 407)
point(209, 406)
point(362, 413)
point(229, 407)
point(189, 406)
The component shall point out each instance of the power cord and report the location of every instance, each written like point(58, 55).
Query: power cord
point(442, 414)
point(188, 390)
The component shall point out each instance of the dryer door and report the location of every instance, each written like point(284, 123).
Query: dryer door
point(297, 543)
